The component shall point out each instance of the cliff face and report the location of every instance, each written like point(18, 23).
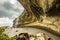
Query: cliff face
point(40, 13)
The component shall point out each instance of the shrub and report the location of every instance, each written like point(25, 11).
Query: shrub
point(2, 29)
point(4, 36)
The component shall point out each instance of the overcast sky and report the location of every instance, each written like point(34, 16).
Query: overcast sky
point(9, 10)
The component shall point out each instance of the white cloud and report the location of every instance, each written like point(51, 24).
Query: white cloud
point(9, 10)
point(5, 21)
point(13, 1)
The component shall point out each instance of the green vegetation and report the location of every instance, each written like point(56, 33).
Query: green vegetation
point(4, 36)
point(2, 29)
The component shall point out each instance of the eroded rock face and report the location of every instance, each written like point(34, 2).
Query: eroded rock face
point(26, 36)
point(44, 13)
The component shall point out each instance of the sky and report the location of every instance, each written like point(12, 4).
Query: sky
point(9, 10)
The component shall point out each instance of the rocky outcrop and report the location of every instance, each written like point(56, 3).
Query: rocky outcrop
point(26, 36)
point(40, 14)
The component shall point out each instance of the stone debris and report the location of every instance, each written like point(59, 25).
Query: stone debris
point(26, 36)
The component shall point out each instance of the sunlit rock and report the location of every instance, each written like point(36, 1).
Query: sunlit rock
point(43, 14)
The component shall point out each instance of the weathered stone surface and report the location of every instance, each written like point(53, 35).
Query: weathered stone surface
point(26, 36)
point(39, 36)
point(11, 32)
point(41, 13)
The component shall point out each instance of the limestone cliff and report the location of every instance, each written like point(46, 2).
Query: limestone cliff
point(40, 14)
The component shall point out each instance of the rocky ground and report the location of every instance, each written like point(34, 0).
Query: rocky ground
point(38, 33)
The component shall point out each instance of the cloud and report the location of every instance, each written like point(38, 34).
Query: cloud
point(5, 21)
point(8, 5)
point(9, 10)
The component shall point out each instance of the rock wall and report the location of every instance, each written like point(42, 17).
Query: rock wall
point(44, 13)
